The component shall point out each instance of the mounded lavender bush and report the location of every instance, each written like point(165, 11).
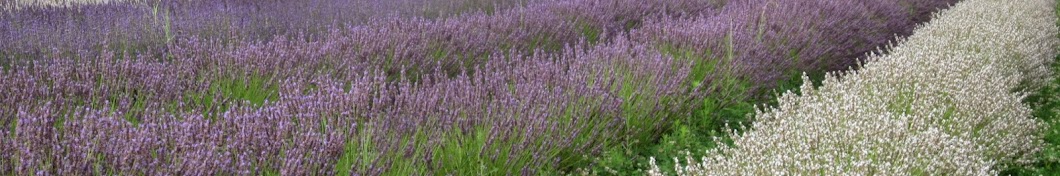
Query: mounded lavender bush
point(947, 100)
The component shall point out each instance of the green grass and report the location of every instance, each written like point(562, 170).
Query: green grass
point(227, 92)
point(474, 154)
point(590, 32)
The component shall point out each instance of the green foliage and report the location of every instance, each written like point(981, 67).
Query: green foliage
point(727, 108)
point(477, 154)
point(591, 33)
point(137, 100)
point(407, 164)
point(701, 67)
point(631, 24)
point(545, 43)
point(572, 157)
point(227, 92)
point(439, 54)
point(139, 105)
point(358, 154)
point(8, 59)
point(254, 90)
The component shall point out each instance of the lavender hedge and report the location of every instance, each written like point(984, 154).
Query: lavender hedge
point(947, 100)
point(466, 41)
point(395, 43)
point(474, 94)
point(152, 24)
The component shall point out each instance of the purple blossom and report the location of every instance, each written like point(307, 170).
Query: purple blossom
point(548, 83)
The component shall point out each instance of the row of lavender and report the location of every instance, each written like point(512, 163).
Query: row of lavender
point(150, 25)
point(947, 100)
point(338, 105)
point(366, 7)
point(411, 42)
point(764, 40)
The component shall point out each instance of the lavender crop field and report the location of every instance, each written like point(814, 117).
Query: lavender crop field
point(946, 100)
point(522, 87)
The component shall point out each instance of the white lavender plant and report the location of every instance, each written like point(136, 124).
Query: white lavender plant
point(945, 101)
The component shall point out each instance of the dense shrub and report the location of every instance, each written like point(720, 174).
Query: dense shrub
point(941, 102)
point(247, 87)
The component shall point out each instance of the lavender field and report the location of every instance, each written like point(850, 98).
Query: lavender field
point(529, 87)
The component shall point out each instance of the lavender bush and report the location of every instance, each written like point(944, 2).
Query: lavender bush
point(941, 102)
point(748, 47)
point(540, 89)
point(18, 4)
point(395, 43)
point(142, 25)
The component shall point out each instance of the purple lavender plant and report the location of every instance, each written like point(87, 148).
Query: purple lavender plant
point(519, 91)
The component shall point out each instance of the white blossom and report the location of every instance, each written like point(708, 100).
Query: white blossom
point(945, 101)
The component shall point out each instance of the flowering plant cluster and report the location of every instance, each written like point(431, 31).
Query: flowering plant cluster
point(946, 100)
point(252, 88)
